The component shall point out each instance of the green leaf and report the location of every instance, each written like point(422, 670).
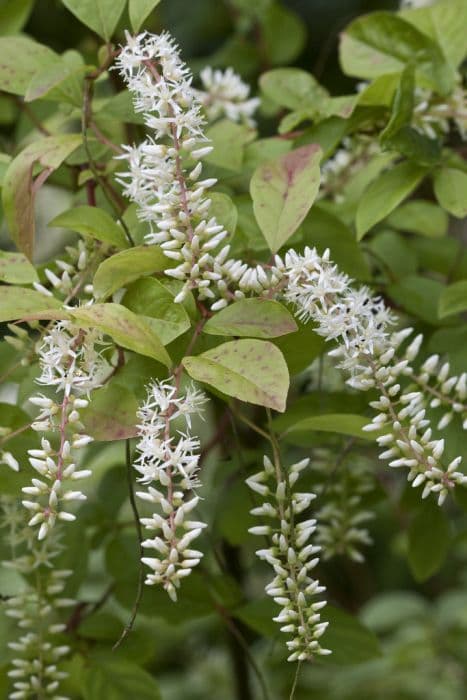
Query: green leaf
point(250, 370)
point(19, 188)
point(228, 140)
point(444, 21)
point(318, 404)
point(126, 328)
point(418, 147)
point(127, 266)
point(342, 423)
point(451, 191)
point(150, 298)
point(14, 14)
point(394, 254)
point(327, 134)
point(342, 106)
point(283, 191)
point(382, 42)
point(91, 221)
point(112, 413)
point(453, 299)
point(20, 303)
point(139, 11)
point(224, 210)
point(351, 193)
point(283, 34)
point(15, 268)
point(420, 216)
point(61, 81)
point(293, 88)
point(402, 107)
point(380, 92)
point(388, 611)
point(117, 679)
point(322, 230)
point(429, 540)
point(351, 642)
point(385, 193)
point(419, 296)
point(254, 318)
point(292, 344)
point(21, 58)
point(99, 15)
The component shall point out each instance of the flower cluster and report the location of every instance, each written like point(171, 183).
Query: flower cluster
point(407, 437)
point(40, 647)
point(433, 115)
point(69, 275)
point(291, 556)
point(353, 318)
point(358, 323)
point(354, 153)
point(70, 360)
point(439, 389)
point(164, 171)
point(163, 176)
point(169, 458)
point(225, 94)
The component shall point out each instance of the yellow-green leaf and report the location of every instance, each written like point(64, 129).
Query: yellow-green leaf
point(283, 191)
point(451, 191)
point(253, 318)
point(250, 370)
point(15, 268)
point(20, 303)
point(128, 266)
point(385, 193)
point(19, 188)
point(91, 221)
point(99, 15)
point(453, 299)
point(126, 328)
point(139, 11)
point(21, 58)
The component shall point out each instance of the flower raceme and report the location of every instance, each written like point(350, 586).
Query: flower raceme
point(291, 556)
point(71, 361)
point(358, 323)
point(36, 608)
point(168, 457)
point(164, 172)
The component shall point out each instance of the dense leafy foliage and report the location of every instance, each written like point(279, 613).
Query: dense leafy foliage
point(124, 321)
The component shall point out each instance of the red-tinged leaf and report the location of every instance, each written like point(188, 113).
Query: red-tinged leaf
point(20, 188)
point(283, 191)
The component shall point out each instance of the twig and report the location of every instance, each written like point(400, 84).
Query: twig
point(139, 590)
point(86, 120)
point(295, 681)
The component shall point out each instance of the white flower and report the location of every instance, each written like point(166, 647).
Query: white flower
point(225, 94)
point(169, 458)
point(291, 556)
point(70, 359)
point(8, 459)
point(353, 317)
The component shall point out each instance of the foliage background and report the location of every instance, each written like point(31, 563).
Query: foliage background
point(394, 637)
